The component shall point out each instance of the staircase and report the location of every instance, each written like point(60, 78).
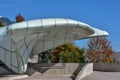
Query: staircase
point(54, 69)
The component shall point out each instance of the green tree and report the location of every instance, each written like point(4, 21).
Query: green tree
point(1, 25)
point(99, 50)
point(68, 53)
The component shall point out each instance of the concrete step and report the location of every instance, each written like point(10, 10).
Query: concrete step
point(54, 69)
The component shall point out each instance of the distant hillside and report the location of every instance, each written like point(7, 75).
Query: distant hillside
point(5, 21)
point(116, 55)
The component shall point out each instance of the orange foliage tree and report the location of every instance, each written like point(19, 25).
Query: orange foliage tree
point(99, 50)
point(19, 18)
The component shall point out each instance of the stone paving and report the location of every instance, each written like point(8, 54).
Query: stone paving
point(12, 77)
point(5, 74)
point(47, 78)
point(97, 75)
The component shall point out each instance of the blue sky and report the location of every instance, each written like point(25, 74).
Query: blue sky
point(102, 14)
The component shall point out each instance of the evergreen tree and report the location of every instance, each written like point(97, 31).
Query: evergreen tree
point(68, 53)
point(1, 25)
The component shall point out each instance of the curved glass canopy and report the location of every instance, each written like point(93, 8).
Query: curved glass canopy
point(18, 41)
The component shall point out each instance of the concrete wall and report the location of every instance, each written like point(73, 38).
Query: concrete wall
point(86, 70)
point(110, 67)
point(76, 71)
point(70, 69)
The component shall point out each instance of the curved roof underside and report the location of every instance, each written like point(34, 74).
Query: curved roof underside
point(20, 40)
point(52, 32)
point(55, 26)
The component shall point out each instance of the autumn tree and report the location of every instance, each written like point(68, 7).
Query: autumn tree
point(19, 18)
point(1, 25)
point(68, 53)
point(99, 50)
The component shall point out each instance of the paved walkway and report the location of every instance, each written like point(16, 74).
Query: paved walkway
point(5, 74)
point(12, 77)
point(96, 75)
point(47, 78)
